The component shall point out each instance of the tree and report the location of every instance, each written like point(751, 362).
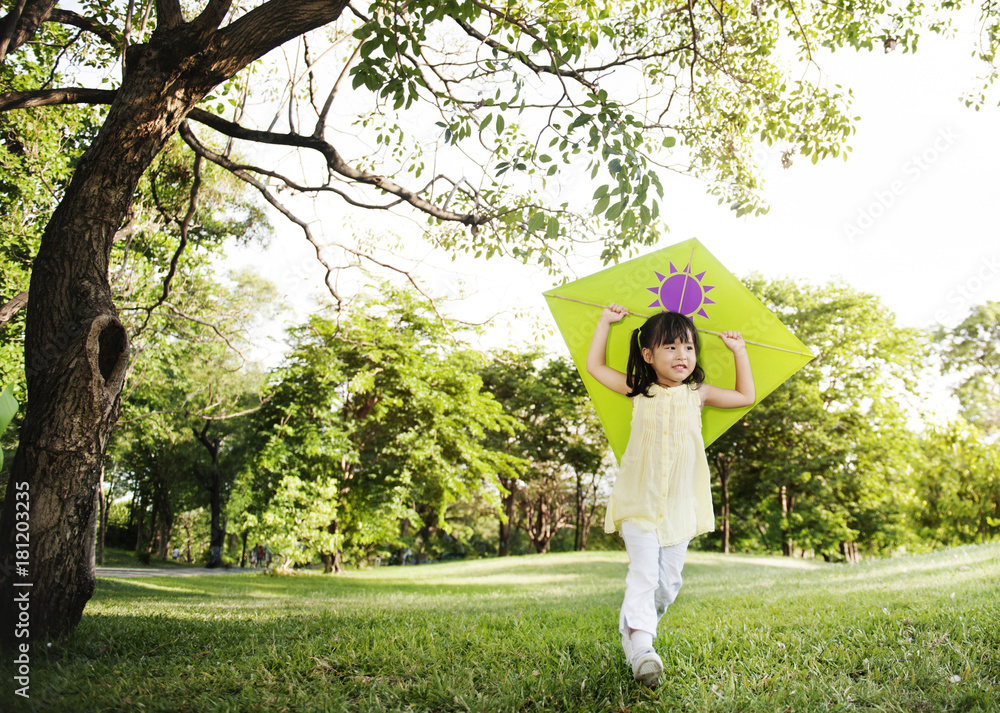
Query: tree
point(971, 350)
point(377, 418)
point(716, 87)
point(957, 499)
point(823, 462)
point(192, 384)
point(560, 443)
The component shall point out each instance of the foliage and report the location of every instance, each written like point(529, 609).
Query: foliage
point(376, 417)
point(746, 634)
point(971, 350)
point(518, 99)
point(191, 378)
point(957, 497)
point(8, 407)
point(826, 458)
point(560, 442)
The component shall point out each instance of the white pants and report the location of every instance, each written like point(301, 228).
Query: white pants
point(653, 579)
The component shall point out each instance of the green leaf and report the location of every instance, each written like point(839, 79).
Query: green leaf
point(8, 407)
point(536, 222)
point(552, 230)
point(602, 204)
point(615, 210)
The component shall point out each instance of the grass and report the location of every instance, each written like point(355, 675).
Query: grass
point(538, 633)
point(128, 558)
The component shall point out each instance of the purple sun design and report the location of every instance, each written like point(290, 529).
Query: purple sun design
point(680, 291)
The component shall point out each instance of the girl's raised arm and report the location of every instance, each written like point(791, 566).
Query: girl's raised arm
point(744, 394)
point(597, 360)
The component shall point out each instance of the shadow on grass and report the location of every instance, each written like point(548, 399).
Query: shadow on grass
point(514, 576)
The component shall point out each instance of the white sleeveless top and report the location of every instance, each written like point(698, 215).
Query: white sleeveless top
point(663, 484)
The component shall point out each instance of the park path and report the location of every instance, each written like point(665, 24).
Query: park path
point(128, 572)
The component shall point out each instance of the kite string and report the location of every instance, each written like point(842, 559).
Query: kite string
point(706, 331)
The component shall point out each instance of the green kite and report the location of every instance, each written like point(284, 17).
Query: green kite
point(8, 407)
point(683, 278)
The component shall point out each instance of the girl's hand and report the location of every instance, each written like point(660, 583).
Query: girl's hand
point(597, 353)
point(613, 313)
point(733, 340)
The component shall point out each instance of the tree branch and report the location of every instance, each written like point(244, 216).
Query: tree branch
point(168, 14)
point(22, 22)
point(89, 24)
point(8, 310)
point(184, 228)
point(335, 163)
point(211, 17)
point(191, 140)
point(55, 97)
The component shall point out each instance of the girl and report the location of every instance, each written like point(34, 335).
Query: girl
point(662, 495)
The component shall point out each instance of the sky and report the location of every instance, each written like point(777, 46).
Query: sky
point(908, 217)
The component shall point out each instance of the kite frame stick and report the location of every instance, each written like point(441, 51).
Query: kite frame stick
point(706, 331)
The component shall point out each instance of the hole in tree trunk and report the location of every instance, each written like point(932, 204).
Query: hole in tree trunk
point(112, 343)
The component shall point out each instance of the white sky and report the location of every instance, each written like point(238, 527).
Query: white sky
point(908, 217)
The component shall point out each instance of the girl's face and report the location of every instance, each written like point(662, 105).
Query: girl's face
point(672, 362)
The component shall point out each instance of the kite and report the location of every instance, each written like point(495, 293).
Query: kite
point(683, 278)
point(8, 407)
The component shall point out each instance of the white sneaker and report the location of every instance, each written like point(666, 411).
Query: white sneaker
point(647, 668)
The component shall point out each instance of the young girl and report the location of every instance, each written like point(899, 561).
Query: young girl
point(662, 496)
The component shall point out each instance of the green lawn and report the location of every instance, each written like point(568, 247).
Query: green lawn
point(114, 557)
point(538, 633)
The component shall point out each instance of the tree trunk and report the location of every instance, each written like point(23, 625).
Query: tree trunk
point(787, 544)
point(333, 561)
point(76, 352)
point(76, 349)
point(140, 521)
point(163, 516)
point(187, 536)
point(214, 486)
point(579, 541)
point(542, 532)
point(507, 527)
point(724, 466)
point(102, 495)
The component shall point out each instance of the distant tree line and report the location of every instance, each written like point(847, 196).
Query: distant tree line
point(383, 437)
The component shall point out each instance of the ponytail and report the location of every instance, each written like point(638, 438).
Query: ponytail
point(638, 374)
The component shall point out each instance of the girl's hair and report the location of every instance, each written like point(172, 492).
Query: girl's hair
point(662, 328)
